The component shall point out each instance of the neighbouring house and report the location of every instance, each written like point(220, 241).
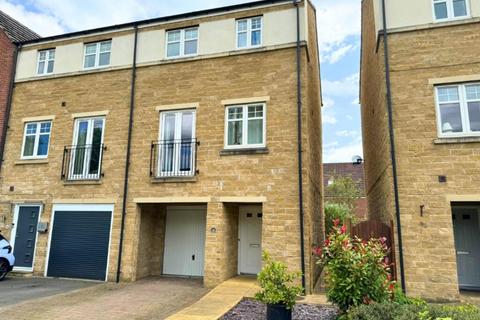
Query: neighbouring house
point(351, 170)
point(11, 32)
point(168, 146)
point(420, 98)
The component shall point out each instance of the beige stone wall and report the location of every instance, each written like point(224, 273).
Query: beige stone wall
point(151, 241)
point(416, 57)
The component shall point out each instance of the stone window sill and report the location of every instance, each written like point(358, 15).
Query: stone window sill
point(174, 179)
point(233, 152)
point(457, 140)
point(82, 182)
point(31, 161)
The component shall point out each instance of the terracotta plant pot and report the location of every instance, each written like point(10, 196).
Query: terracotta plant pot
point(278, 312)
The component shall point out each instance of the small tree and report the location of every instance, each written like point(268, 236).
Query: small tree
point(336, 211)
point(356, 271)
point(343, 190)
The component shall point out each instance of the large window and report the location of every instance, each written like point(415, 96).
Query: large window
point(245, 126)
point(450, 9)
point(458, 110)
point(46, 60)
point(97, 54)
point(182, 42)
point(36, 140)
point(249, 32)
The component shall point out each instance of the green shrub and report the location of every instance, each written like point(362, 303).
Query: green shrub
point(277, 283)
point(395, 311)
point(336, 211)
point(355, 271)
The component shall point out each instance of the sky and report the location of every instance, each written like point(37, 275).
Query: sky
point(339, 42)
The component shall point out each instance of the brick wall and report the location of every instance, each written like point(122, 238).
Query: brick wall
point(6, 61)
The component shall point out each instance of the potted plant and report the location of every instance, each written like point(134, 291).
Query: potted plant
point(279, 291)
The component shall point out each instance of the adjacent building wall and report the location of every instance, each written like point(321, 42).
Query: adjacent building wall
point(7, 50)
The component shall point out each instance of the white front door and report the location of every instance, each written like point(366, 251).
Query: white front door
point(466, 224)
point(250, 240)
point(184, 241)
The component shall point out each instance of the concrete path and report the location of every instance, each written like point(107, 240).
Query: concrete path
point(151, 298)
point(220, 300)
point(18, 289)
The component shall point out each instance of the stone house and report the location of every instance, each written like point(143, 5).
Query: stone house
point(181, 145)
point(420, 98)
point(11, 32)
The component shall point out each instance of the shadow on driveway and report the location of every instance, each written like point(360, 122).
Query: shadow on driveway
point(18, 289)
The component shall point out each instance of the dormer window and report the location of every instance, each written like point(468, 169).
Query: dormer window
point(46, 60)
point(97, 54)
point(445, 10)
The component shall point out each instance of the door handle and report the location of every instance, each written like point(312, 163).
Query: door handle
point(193, 257)
point(254, 245)
point(463, 252)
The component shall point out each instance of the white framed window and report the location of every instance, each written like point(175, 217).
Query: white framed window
point(46, 60)
point(444, 10)
point(182, 42)
point(36, 140)
point(245, 126)
point(249, 32)
point(458, 110)
point(97, 54)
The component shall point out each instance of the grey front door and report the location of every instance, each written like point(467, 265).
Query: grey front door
point(25, 236)
point(467, 245)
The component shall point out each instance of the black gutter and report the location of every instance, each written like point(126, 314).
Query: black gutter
point(392, 145)
point(299, 133)
point(127, 161)
point(9, 102)
point(158, 20)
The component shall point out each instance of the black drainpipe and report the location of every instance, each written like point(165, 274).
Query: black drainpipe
point(392, 144)
point(9, 101)
point(127, 161)
point(299, 138)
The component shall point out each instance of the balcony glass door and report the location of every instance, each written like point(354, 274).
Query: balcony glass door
point(177, 143)
point(86, 154)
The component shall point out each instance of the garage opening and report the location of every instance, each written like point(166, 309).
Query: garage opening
point(171, 240)
point(466, 226)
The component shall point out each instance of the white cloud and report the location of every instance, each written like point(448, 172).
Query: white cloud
point(347, 86)
point(347, 133)
point(328, 103)
point(338, 54)
point(349, 117)
point(343, 153)
point(328, 119)
point(337, 21)
point(41, 23)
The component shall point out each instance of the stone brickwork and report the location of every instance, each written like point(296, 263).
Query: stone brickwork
point(7, 50)
point(272, 176)
point(417, 57)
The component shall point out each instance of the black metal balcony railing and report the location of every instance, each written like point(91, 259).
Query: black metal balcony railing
point(82, 162)
point(173, 158)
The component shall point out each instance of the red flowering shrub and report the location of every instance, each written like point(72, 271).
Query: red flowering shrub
point(357, 271)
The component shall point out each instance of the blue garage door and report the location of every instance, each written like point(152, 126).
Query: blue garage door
point(79, 245)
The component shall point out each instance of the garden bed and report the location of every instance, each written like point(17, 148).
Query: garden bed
point(253, 310)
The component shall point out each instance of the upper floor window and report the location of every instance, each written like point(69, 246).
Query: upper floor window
point(97, 54)
point(182, 42)
point(450, 9)
point(249, 32)
point(36, 140)
point(245, 126)
point(458, 110)
point(46, 59)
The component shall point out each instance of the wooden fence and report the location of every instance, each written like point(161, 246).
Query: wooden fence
point(369, 229)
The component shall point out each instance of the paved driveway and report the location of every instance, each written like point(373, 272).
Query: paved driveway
point(15, 289)
point(152, 298)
